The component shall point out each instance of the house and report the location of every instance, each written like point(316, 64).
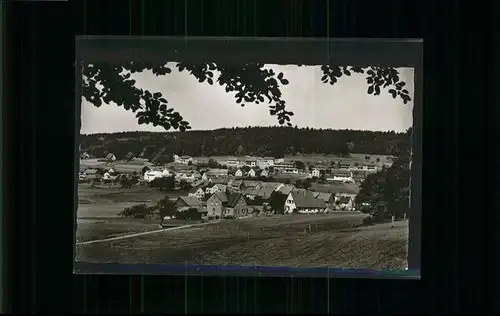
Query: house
point(183, 159)
point(216, 173)
point(279, 160)
point(197, 192)
point(251, 173)
point(110, 157)
point(150, 175)
point(264, 173)
point(285, 189)
point(344, 203)
point(238, 173)
point(304, 202)
point(340, 176)
point(90, 173)
point(215, 188)
point(221, 205)
point(188, 202)
point(85, 156)
point(265, 162)
point(129, 156)
point(329, 198)
point(283, 166)
point(250, 161)
point(167, 173)
point(233, 163)
point(344, 166)
point(204, 176)
point(315, 173)
point(236, 185)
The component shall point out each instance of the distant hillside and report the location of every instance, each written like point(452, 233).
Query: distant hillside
point(261, 141)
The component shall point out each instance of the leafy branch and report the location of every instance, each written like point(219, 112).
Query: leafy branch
point(250, 83)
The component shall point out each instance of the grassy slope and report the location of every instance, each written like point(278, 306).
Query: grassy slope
point(280, 241)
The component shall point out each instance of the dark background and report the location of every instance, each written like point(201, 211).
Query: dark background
point(457, 267)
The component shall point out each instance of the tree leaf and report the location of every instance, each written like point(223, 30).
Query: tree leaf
point(370, 90)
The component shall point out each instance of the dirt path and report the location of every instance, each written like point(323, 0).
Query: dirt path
point(140, 234)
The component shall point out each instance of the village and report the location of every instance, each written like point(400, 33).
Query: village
point(237, 187)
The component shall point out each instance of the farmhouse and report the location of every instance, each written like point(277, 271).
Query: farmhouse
point(189, 202)
point(183, 159)
point(251, 173)
point(221, 205)
point(304, 202)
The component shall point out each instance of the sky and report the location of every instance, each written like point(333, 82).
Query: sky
point(345, 105)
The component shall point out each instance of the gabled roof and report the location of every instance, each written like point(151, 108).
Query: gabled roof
point(195, 189)
point(286, 189)
point(221, 196)
point(323, 196)
point(232, 199)
point(191, 201)
point(110, 155)
point(305, 199)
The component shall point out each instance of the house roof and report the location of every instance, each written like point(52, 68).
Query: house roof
point(236, 183)
point(90, 171)
point(251, 184)
point(341, 173)
point(232, 199)
point(110, 155)
point(306, 199)
point(286, 189)
point(221, 196)
point(191, 201)
point(265, 192)
point(335, 188)
point(323, 196)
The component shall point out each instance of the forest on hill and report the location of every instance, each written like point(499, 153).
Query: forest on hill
point(259, 141)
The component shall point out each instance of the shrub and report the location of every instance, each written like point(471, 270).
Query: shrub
point(138, 211)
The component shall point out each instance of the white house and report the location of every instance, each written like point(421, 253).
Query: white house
point(166, 173)
point(264, 173)
point(233, 163)
point(183, 159)
point(265, 162)
point(110, 157)
point(150, 175)
point(315, 173)
point(215, 188)
point(107, 176)
point(250, 161)
point(341, 176)
point(303, 202)
point(251, 173)
point(198, 192)
point(279, 160)
point(204, 176)
point(238, 173)
point(85, 156)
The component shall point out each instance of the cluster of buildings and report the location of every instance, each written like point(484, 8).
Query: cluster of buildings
point(241, 198)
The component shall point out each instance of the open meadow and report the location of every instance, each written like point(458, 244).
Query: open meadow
point(98, 208)
point(322, 240)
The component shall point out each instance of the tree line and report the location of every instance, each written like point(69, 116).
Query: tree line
point(259, 141)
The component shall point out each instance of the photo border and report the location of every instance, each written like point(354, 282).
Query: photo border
point(232, 50)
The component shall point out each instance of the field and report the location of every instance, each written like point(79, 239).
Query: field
point(98, 208)
point(290, 240)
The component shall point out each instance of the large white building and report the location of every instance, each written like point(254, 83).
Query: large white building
point(183, 159)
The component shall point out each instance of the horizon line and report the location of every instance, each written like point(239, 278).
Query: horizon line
point(246, 127)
